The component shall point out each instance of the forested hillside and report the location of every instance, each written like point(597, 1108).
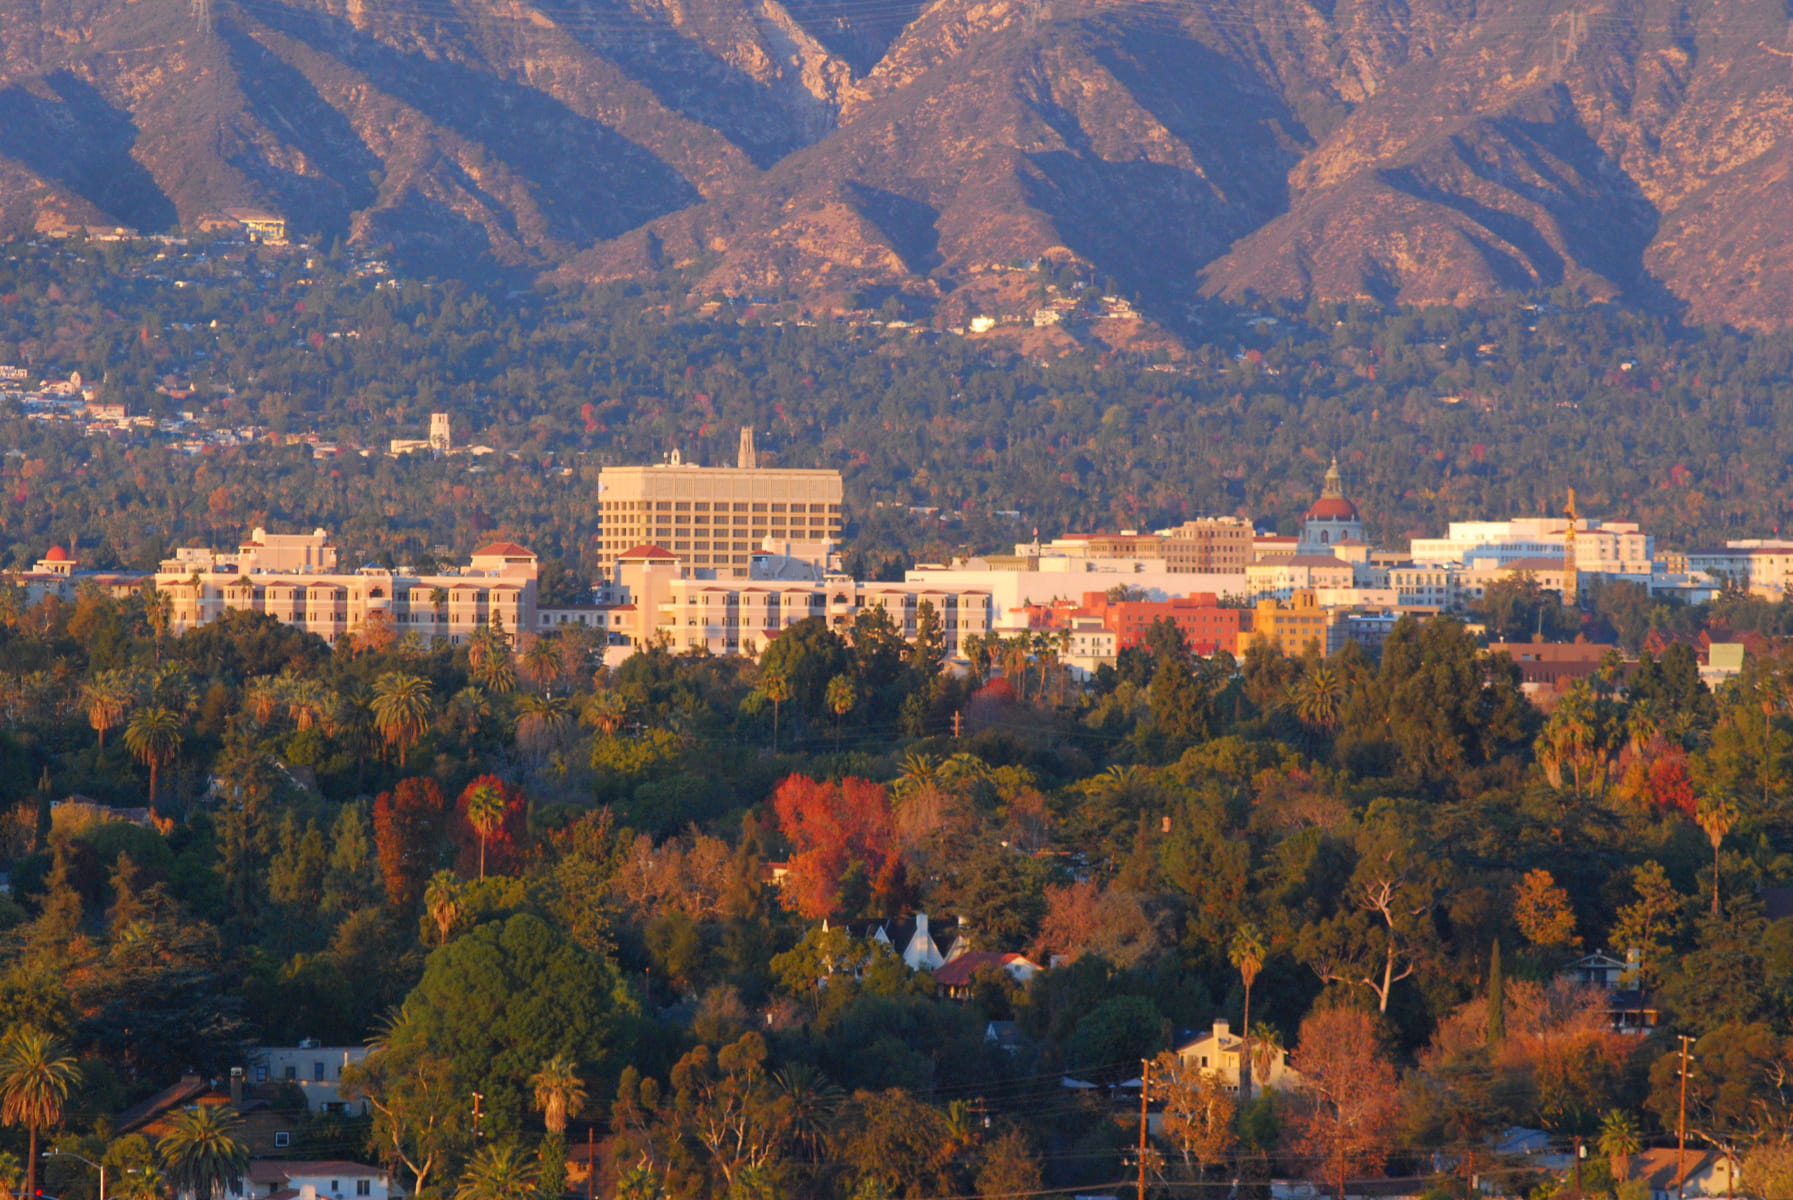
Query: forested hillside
point(525, 876)
point(1435, 414)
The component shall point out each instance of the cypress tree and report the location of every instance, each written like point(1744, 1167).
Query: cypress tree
point(1497, 997)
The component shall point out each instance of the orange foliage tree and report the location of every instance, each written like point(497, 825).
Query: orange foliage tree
point(841, 837)
point(410, 823)
point(1344, 1125)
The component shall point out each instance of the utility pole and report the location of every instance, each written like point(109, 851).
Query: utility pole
point(1681, 1128)
point(478, 1099)
point(1145, 1091)
point(1578, 1153)
point(591, 1162)
point(958, 724)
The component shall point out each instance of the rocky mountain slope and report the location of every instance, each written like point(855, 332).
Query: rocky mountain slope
point(1411, 150)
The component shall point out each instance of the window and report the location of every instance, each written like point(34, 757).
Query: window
point(364, 1187)
point(292, 1072)
point(261, 1073)
point(317, 1070)
point(282, 1138)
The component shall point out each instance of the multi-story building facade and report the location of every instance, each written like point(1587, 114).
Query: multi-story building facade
point(1209, 546)
point(714, 518)
point(294, 578)
point(1760, 565)
point(1601, 547)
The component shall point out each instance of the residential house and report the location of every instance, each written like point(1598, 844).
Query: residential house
point(1628, 1006)
point(316, 1070)
point(271, 1179)
point(266, 1130)
point(1218, 1051)
point(957, 974)
point(1707, 1173)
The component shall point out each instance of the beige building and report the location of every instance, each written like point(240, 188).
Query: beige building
point(1210, 546)
point(294, 578)
point(1217, 1053)
point(714, 518)
point(655, 597)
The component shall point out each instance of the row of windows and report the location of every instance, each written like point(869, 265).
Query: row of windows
point(758, 506)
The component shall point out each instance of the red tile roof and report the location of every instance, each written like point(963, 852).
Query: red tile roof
point(959, 971)
point(647, 552)
point(506, 549)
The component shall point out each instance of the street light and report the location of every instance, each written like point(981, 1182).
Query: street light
point(98, 1166)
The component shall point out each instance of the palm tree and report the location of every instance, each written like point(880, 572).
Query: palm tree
point(606, 712)
point(540, 718)
point(543, 662)
point(201, 1154)
point(488, 656)
point(841, 697)
point(813, 1104)
point(559, 1093)
point(1247, 952)
point(37, 1073)
point(154, 738)
point(309, 703)
point(439, 602)
point(776, 684)
point(1618, 1142)
point(442, 901)
point(261, 697)
point(401, 708)
point(106, 700)
point(1320, 697)
point(500, 1172)
point(486, 806)
point(1717, 817)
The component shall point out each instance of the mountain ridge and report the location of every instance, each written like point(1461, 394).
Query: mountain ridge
point(1418, 152)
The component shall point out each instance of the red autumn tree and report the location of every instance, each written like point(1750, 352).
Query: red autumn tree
point(410, 825)
point(838, 832)
point(505, 842)
point(1344, 1124)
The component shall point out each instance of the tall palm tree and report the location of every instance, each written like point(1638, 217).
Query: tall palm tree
point(814, 1105)
point(1717, 817)
point(1247, 952)
point(841, 697)
point(201, 1155)
point(154, 738)
point(776, 684)
point(439, 602)
point(502, 1171)
point(107, 699)
point(559, 1093)
point(401, 709)
point(442, 901)
point(486, 806)
point(37, 1073)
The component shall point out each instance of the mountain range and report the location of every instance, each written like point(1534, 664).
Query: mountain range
point(1408, 151)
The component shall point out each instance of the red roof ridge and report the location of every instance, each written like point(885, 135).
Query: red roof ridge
point(507, 549)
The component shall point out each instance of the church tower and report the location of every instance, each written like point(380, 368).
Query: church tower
point(1332, 518)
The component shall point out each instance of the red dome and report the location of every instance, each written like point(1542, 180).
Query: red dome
point(56, 554)
point(1332, 508)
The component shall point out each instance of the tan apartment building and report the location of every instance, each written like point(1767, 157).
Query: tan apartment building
point(294, 578)
point(1209, 546)
point(713, 518)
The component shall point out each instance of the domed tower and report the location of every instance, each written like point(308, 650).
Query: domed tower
point(1332, 519)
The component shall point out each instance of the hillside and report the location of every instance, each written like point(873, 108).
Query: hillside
point(1433, 150)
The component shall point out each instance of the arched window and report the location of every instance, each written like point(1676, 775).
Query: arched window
point(1325, 537)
